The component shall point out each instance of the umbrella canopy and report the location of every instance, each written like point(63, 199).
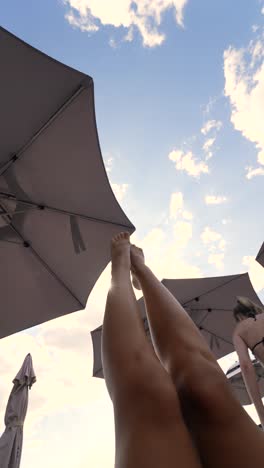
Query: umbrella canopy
point(57, 209)
point(12, 439)
point(235, 377)
point(209, 302)
point(260, 256)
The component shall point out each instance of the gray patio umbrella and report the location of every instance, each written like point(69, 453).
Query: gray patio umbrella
point(236, 379)
point(260, 256)
point(209, 302)
point(12, 438)
point(57, 210)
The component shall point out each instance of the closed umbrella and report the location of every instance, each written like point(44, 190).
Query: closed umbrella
point(12, 438)
point(57, 209)
point(209, 302)
point(235, 378)
point(260, 256)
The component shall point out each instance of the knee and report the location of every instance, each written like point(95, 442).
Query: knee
point(150, 392)
point(204, 384)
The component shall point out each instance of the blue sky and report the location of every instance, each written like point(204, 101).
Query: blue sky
point(179, 94)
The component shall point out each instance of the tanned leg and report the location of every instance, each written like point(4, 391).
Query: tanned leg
point(150, 431)
point(224, 434)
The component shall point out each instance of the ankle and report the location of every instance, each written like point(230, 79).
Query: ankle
point(120, 274)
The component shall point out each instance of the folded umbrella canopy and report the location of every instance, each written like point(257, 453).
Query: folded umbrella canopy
point(236, 380)
point(260, 256)
point(16, 410)
point(57, 210)
point(208, 301)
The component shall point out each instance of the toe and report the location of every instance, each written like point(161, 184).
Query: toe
point(120, 236)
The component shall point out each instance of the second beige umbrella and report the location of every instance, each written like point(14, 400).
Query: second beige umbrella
point(12, 438)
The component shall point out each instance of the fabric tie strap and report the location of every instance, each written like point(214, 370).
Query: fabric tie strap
point(15, 424)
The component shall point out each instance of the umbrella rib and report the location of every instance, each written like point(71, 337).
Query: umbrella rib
point(215, 288)
point(5, 166)
point(214, 308)
point(40, 259)
point(11, 242)
point(204, 317)
point(9, 196)
point(217, 336)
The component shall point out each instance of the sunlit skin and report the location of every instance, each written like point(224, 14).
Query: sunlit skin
point(248, 332)
point(172, 403)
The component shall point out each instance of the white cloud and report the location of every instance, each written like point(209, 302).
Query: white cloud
point(222, 244)
point(109, 164)
point(182, 233)
point(173, 266)
point(208, 144)
point(209, 235)
point(216, 245)
point(251, 172)
point(130, 35)
point(255, 28)
point(152, 241)
point(209, 106)
point(261, 157)
point(244, 86)
point(214, 200)
point(144, 15)
point(207, 147)
point(83, 22)
point(211, 125)
point(164, 254)
point(112, 43)
point(187, 215)
point(216, 260)
point(255, 271)
point(176, 204)
point(153, 246)
point(189, 163)
point(150, 35)
point(177, 207)
point(119, 190)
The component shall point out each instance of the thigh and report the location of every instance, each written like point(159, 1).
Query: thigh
point(224, 434)
point(150, 430)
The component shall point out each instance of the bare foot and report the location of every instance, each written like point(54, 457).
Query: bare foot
point(120, 253)
point(137, 260)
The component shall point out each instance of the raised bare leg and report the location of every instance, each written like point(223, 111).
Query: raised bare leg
point(223, 432)
point(150, 431)
point(171, 327)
